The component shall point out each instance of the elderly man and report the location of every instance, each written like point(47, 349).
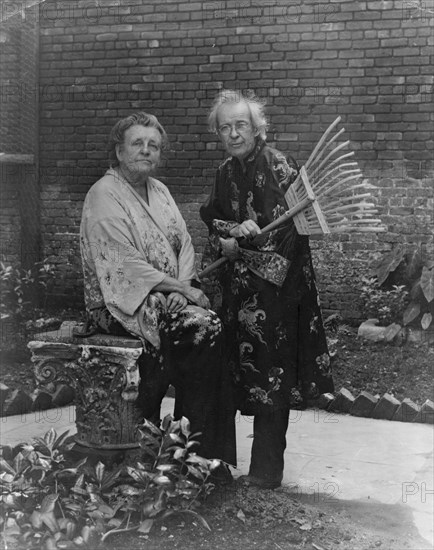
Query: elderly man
point(270, 309)
point(140, 279)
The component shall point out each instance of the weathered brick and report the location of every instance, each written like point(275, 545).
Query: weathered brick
point(407, 411)
point(342, 402)
point(386, 407)
point(41, 400)
point(18, 403)
point(325, 400)
point(426, 413)
point(363, 405)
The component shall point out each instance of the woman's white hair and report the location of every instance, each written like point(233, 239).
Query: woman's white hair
point(255, 105)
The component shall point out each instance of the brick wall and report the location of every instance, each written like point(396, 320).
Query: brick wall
point(10, 221)
point(369, 62)
point(18, 78)
point(19, 224)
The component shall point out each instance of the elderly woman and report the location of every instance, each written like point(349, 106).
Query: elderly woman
point(270, 303)
point(140, 279)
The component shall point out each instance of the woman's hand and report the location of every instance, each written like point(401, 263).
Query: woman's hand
point(196, 296)
point(178, 292)
point(176, 302)
point(247, 229)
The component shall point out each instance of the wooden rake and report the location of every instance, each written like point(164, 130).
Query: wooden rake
point(328, 196)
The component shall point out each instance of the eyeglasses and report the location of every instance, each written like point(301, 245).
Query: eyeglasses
point(240, 127)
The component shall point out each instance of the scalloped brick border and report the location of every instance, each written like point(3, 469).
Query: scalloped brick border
point(385, 407)
point(19, 402)
point(365, 405)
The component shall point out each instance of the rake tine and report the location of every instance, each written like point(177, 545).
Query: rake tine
point(321, 141)
point(340, 166)
point(325, 147)
point(354, 229)
point(332, 152)
point(344, 200)
point(354, 212)
point(335, 161)
point(328, 190)
point(363, 185)
point(368, 225)
point(336, 177)
point(348, 220)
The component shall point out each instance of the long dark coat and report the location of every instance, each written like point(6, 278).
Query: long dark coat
point(269, 303)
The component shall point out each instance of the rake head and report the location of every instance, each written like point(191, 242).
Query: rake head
point(340, 199)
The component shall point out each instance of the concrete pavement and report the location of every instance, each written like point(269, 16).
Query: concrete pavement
point(329, 457)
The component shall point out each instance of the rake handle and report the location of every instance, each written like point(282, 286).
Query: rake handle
point(213, 266)
point(302, 205)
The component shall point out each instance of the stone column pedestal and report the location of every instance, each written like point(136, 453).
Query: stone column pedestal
point(104, 374)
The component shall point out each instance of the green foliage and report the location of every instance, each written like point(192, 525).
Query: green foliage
point(405, 268)
point(47, 502)
point(385, 305)
point(21, 292)
point(335, 330)
point(20, 287)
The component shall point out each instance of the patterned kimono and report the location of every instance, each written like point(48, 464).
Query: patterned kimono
point(127, 247)
point(270, 306)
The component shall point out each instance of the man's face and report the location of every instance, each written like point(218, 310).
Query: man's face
point(140, 152)
point(235, 129)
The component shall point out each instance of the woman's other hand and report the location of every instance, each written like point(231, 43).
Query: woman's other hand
point(176, 302)
point(247, 229)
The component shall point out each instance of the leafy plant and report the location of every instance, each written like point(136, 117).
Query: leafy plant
point(20, 287)
point(49, 502)
point(405, 268)
point(385, 305)
point(21, 292)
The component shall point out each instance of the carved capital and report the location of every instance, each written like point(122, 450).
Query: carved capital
point(106, 382)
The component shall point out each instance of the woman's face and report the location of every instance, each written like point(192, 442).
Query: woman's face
point(139, 154)
point(235, 129)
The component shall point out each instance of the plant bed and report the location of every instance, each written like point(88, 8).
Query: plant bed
point(404, 371)
point(52, 498)
point(244, 518)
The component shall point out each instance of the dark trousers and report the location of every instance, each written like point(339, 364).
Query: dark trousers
point(202, 394)
point(269, 444)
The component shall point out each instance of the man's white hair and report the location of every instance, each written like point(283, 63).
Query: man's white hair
point(255, 105)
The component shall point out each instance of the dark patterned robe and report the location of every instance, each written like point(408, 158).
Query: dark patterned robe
point(269, 304)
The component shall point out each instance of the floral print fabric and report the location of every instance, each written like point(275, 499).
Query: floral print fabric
point(269, 301)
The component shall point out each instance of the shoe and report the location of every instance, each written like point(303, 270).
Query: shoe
point(221, 475)
point(260, 482)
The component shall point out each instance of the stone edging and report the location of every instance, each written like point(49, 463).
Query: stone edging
point(364, 405)
point(384, 407)
point(20, 402)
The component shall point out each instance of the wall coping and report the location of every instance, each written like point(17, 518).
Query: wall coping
point(13, 158)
